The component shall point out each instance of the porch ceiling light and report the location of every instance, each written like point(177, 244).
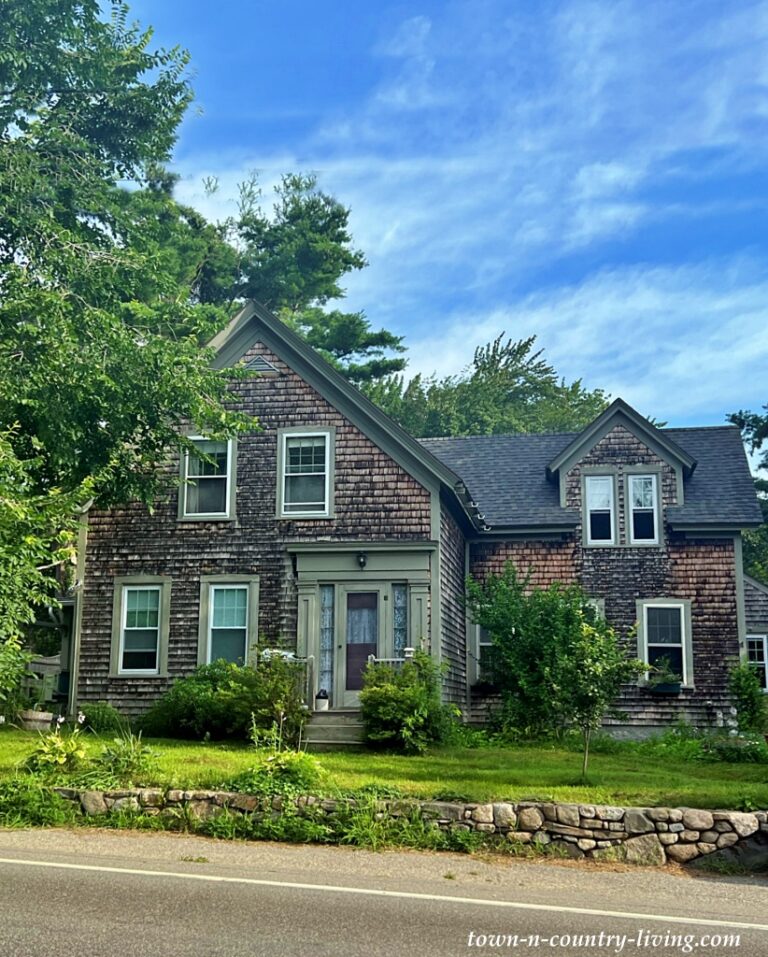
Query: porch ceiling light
point(362, 559)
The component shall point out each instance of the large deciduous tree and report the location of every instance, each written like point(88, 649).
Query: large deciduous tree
point(754, 429)
point(508, 387)
point(100, 333)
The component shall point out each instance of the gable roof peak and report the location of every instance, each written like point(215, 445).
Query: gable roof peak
point(620, 412)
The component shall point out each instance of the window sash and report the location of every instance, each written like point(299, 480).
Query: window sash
point(648, 487)
point(141, 637)
point(226, 623)
point(654, 650)
point(757, 655)
point(600, 501)
point(303, 468)
point(201, 479)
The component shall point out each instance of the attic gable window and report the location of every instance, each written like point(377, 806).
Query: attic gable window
point(600, 509)
point(643, 504)
point(208, 480)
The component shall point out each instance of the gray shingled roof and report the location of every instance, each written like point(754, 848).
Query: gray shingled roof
point(506, 475)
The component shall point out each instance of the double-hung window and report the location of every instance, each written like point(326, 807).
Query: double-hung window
point(666, 636)
point(208, 480)
point(229, 608)
point(600, 510)
point(306, 474)
point(757, 650)
point(140, 626)
point(643, 506)
point(228, 634)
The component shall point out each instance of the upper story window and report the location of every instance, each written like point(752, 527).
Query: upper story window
point(757, 650)
point(208, 481)
point(601, 510)
point(643, 505)
point(306, 474)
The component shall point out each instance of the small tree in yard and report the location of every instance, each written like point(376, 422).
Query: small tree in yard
point(556, 661)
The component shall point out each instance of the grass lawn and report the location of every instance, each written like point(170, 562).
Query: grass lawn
point(543, 773)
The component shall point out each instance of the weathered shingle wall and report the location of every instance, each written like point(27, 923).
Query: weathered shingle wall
point(453, 640)
point(374, 499)
point(756, 608)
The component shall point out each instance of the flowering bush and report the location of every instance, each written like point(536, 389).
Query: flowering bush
point(58, 751)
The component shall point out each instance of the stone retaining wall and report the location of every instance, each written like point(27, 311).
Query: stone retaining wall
point(639, 835)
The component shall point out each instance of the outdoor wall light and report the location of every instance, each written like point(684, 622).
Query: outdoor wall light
point(362, 559)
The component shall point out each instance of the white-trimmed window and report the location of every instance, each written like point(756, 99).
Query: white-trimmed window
point(207, 479)
point(228, 624)
point(140, 629)
point(306, 474)
point(484, 655)
point(643, 509)
point(600, 509)
point(757, 652)
point(665, 633)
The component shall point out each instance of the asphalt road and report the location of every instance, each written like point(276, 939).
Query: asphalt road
point(118, 893)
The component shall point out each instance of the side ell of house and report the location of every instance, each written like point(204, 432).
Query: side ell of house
point(331, 533)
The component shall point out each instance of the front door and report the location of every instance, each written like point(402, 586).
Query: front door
point(361, 629)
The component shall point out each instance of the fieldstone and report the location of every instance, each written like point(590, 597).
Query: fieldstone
point(519, 837)
point(744, 824)
point(586, 810)
point(706, 848)
point(568, 814)
point(709, 837)
point(602, 844)
point(636, 822)
point(667, 839)
point(443, 810)
point(151, 797)
point(676, 827)
point(126, 804)
point(722, 827)
point(529, 819)
point(585, 844)
point(244, 802)
point(726, 840)
point(645, 849)
point(566, 829)
point(483, 814)
point(682, 853)
point(486, 828)
point(696, 820)
point(571, 850)
point(675, 814)
point(201, 810)
point(549, 811)
point(662, 827)
point(609, 813)
point(616, 826)
point(658, 813)
point(690, 836)
point(541, 837)
point(328, 805)
point(174, 797)
point(92, 802)
point(504, 815)
point(460, 827)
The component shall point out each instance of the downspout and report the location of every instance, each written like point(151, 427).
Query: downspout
point(74, 672)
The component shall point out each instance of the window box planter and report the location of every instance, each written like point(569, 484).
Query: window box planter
point(31, 720)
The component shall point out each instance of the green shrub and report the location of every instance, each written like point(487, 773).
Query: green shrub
point(126, 760)
point(102, 718)
point(401, 708)
point(221, 700)
point(749, 698)
point(279, 772)
point(739, 749)
point(13, 669)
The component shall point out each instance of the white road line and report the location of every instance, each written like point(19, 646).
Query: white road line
point(373, 892)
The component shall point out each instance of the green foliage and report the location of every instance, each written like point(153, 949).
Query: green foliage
point(13, 668)
point(126, 759)
point(556, 661)
point(507, 388)
point(739, 748)
point(102, 718)
point(748, 697)
point(25, 803)
point(58, 752)
point(401, 707)
point(280, 772)
point(223, 700)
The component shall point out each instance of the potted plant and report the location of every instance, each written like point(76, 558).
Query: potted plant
point(662, 678)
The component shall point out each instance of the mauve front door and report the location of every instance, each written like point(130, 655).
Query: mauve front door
point(362, 640)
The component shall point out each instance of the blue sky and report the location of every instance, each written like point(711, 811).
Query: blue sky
point(594, 173)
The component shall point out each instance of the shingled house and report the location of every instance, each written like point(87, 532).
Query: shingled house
point(333, 533)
